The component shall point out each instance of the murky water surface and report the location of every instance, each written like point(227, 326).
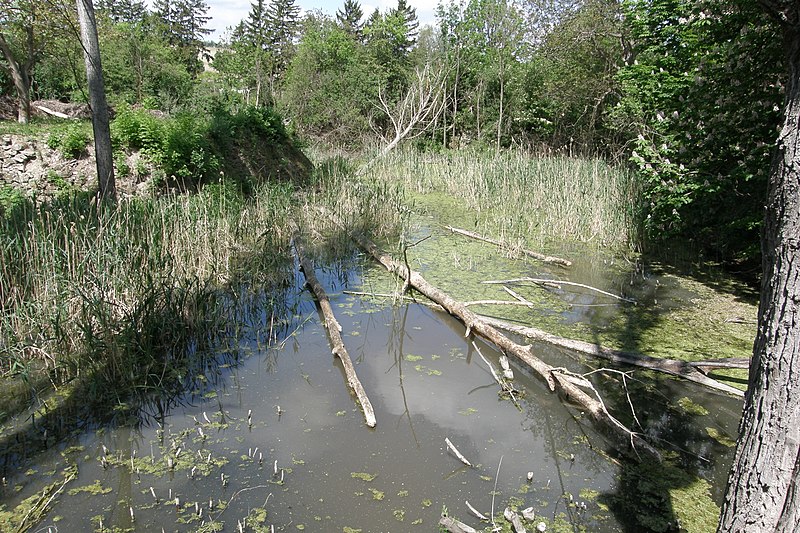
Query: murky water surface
point(280, 441)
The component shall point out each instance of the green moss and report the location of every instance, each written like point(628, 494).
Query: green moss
point(377, 494)
point(718, 436)
point(94, 489)
point(656, 497)
point(413, 358)
point(363, 476)
point(692, 408)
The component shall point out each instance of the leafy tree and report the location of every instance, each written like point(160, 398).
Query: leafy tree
point(140, 66)
point(763, 491)
point(409, 17)
point(23, 33)
point(331, 84)
point(482, 41)
point(131, 11)
point(349, 18)
point(388, 39)
point(700, 151)
point(183, 25)
point(282, 24)
point(572, 78)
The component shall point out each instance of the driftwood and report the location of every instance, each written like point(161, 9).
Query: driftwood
point(334, 329)
point(683, 369)
point(51, 112)
point(454, 526)
point(692, 371)
point(501, 244)
point(456, 452)
point(555, 378)
point(556, 282)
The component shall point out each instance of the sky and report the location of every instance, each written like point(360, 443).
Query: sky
point(227, 13)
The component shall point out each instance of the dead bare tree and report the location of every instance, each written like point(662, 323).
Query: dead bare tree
point(417, 108)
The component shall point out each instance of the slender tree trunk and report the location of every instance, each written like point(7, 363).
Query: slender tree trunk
point(500, 118)
point(97, 100)
point(762, 492)
point(21, 75)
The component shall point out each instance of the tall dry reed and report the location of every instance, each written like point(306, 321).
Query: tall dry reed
point(518, 195)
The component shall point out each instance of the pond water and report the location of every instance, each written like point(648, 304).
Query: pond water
point(278, 440)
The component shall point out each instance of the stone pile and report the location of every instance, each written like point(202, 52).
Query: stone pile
point(32, 167)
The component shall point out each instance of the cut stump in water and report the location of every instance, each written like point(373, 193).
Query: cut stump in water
point(334, 332)
point(454, 526)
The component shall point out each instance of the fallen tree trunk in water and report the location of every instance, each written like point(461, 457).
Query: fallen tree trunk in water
point(334, 329)
point(529, 253)
point(557, 379)
point(693, 371)
point(683, 369)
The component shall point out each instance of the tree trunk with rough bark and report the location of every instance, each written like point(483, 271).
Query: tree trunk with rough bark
point(97, 101)
point(762, 492)
point(21, 74)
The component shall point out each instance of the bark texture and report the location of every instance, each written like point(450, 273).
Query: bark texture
point(762, 492)
point(97, 100)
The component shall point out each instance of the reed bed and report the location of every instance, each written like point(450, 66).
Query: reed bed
point(122, 299)
point(520, 196)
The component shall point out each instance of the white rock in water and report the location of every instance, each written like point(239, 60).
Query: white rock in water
point(541, 527)
point(530, 476)
point(508, 514)
point(504, 362)
point(528, 513)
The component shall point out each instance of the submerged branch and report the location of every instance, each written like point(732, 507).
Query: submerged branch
point(334, 329)
point(481, 327)
point(683, 369)
point(501, 244)
point(541, 281)
point(692, 371)
point(457, 453)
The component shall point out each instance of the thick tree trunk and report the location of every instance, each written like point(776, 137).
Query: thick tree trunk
point(762, 492)
point(97, 100)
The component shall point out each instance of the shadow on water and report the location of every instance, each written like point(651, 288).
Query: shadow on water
point(689, 424)
point(426, 383)
point(189, 365)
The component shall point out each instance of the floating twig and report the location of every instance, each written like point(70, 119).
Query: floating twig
point(457, 453)
point(475, 511)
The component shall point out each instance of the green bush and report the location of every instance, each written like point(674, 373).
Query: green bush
point(71, 142)
point(11, 200)
point(137, 130)
point(254, 122)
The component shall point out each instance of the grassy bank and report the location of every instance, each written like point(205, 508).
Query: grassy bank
point(527, 198)
point(116, 305)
